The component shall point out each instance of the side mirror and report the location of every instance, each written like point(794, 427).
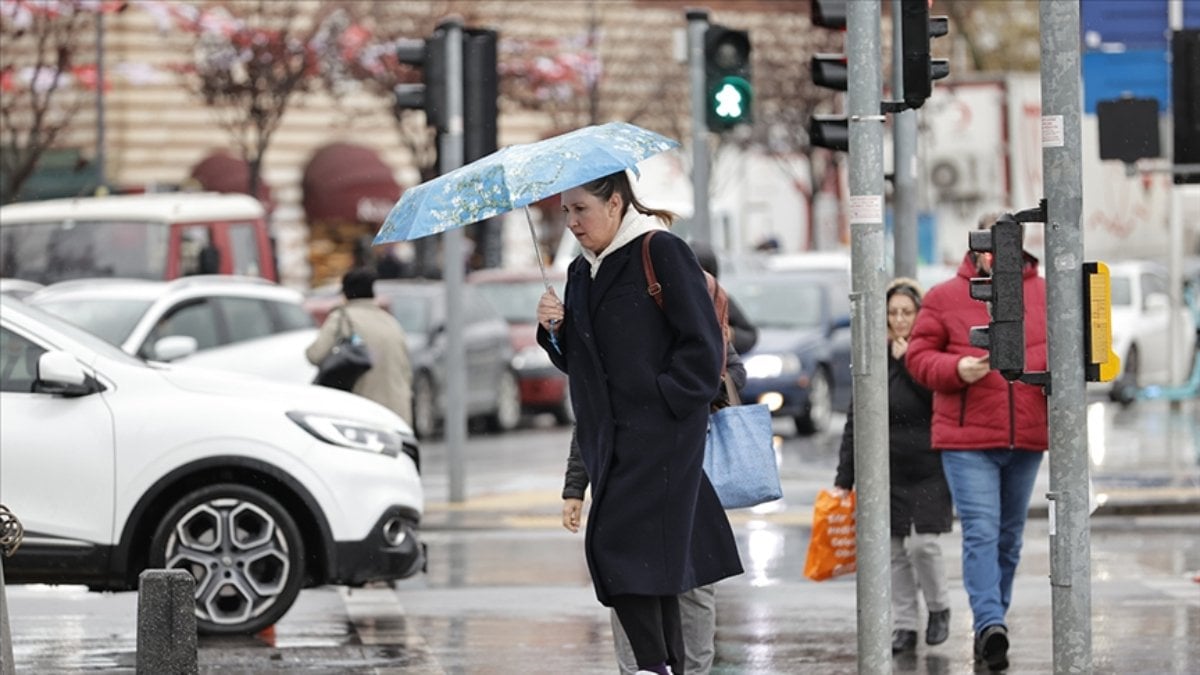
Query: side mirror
point(61, 374)
point(436, 333)
point(175, 347)
point(840, 323)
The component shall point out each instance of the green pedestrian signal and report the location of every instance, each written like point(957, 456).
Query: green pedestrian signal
point(727, 77)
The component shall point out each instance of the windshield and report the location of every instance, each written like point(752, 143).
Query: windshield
point(113, 320)
point(516, 301)
point(71, 331)
point(412, 312)
point(1122, 292)
point(76, 249)
point(777, 303)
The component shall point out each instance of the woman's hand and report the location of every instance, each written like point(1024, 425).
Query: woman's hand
point(973, 368)
point(899, 347)
point(550, 311)
point(572, 512)
point(839, 492)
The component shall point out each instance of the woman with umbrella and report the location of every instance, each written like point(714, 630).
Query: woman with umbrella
point(641, 379)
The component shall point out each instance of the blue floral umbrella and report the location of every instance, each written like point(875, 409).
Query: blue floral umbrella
point(518, 176)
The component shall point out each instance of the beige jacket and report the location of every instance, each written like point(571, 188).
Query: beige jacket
point(389, 381)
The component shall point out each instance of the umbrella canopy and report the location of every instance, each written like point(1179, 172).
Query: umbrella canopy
point(517, 176)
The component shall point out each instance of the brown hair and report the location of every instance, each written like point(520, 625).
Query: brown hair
point(905, 286)
point(603, 188)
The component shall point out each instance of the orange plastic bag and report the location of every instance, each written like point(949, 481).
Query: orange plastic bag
point(832, 549)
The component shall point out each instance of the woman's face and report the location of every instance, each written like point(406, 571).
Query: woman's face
point(593, 222)
point(902, 312)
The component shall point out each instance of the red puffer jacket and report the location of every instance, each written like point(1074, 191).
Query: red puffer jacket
point(991, 413)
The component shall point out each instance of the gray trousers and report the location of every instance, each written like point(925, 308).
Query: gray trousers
point(917, 563)
point(698, 614)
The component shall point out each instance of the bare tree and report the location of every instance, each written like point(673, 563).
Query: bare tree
point(251, 61)
point(41, 94)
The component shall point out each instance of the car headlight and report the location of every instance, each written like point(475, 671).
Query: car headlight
point(355, 435)
point(772, 365)
point(531, 357)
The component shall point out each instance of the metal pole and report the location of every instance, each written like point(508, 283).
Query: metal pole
point(868, 328)
point(1175, 357)
point(904, 165)
point(101, 178)
point(450, 156)
point(700, 228)
point(7, 667)
point(1070, 566)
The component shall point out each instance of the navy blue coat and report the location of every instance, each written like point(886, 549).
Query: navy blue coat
point(641, 381)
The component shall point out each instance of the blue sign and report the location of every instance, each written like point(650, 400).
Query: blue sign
point(1115, 25)
point(1142, 74)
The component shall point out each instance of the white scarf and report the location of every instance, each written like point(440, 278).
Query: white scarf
point(632, 226)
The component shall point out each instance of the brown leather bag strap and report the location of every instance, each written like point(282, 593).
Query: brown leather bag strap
point(652, 286)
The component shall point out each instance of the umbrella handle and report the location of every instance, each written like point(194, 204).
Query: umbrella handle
point(545, 281)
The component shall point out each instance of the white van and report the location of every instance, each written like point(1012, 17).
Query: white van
point(145, 236)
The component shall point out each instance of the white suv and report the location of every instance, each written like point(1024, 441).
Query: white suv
point(115, 465)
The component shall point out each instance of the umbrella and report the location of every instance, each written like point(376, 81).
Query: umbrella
point(517, 176)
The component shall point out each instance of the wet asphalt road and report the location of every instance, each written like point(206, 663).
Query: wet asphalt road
point(507, 589)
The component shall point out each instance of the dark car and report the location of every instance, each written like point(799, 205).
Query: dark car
point(800, 367)
point(515, 294)
point(493, 394)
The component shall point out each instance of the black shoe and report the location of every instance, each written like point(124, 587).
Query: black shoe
point(991, 647)
point(939, 627)
point(904, 641)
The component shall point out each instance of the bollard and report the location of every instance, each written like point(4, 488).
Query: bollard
point(166, 623)
point(7, 667)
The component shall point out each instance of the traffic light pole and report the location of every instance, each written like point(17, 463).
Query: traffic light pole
point(450, 157)
point(1070, 544)
point(700, 229)
point(869, 336)
point(904, 164)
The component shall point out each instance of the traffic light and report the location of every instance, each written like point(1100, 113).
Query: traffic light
point(917, 28)
point(1185, 103)
point(480, 93)
point(429, 56)
point(727, 77)
point(829, 71)
point(1004, 290)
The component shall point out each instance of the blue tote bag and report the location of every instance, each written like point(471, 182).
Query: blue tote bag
point(739, 455)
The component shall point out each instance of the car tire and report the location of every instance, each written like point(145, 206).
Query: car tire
point(816, 419)
point(508, 403)
point(244, 550)
point(1124, 390)
point(424, 402)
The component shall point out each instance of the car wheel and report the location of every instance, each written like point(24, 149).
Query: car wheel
point(244, 551)
point(424, 402)
point(508, 403)
point(564, 414)
point(820, 405)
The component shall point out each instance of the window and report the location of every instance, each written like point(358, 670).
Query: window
point(290, 317)
point(69, 249)
point(18, 362)
point(197, 255)
point(197, 319)
point(244, 242)
point(246, 318)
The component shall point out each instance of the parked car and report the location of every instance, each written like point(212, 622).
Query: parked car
point(515, 294)
point(200, 316)
point(147, 236)
point(115, 465)
point(493, 394)
point(1141, 316)
point(800, 366)
point(18, 288)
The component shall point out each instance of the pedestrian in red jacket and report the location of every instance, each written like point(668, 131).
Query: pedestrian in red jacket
point(991, 433)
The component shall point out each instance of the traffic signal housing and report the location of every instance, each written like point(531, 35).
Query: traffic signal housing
point(830, 71)
point(917, 28)
point(429, 56)
point(1004, 290)
point(727, 78)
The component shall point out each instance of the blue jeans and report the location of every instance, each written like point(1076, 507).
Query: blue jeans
point(991, 490)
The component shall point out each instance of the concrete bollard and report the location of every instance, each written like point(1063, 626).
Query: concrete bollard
point(7, 667)
point(166, 623)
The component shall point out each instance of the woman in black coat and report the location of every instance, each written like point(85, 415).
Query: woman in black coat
point(641, 380)
point(920, 496)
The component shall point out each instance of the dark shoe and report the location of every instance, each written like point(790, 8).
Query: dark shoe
point(904, 641)
point(939, 627)
point(991, 647)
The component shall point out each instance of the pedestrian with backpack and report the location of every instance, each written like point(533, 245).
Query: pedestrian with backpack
point(642, 381)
